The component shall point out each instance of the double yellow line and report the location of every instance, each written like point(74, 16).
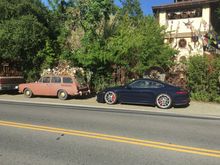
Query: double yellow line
point(145, 143)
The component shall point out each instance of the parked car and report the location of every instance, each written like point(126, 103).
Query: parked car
point(145, 91)
point(10, 76)
point(10, 83)
point(54, 85)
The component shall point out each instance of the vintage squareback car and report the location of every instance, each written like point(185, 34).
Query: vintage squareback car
point(55, 85)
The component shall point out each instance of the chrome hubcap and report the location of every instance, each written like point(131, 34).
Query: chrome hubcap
point(28, 93)
point(62, 94)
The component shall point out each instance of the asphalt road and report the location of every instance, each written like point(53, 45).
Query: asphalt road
point(59, 135)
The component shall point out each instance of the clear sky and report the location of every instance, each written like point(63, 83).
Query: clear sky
point(145, 4)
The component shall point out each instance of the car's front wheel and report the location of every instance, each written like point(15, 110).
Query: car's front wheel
point(28, 93)
point(110, 97)
point(163, 101)
point(62, 95)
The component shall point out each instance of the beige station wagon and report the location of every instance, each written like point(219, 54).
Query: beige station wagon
point(52, 85)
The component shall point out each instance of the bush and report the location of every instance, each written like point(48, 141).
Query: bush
point(203, 73)
point(99, 83)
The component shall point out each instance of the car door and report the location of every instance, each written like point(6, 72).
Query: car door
point(138, 91)
point(55, 85)
point(43, 86)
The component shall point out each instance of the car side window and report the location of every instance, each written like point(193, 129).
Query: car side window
point(56, 80)
point(145, 84)
point(46, 79)
point(139, 84)
point(67, 80)
point(155, 85)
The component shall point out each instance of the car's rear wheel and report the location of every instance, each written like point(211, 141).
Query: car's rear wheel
point(62, 95)
point(163, 101)
point(28, 93)
point(110, 97)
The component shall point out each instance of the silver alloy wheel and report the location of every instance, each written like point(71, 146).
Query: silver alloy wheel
point(28, 93)
point(110, 97)
point(164, 101)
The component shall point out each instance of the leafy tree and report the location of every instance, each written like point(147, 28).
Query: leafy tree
point(102, 35)
point(139, 45)
point(88, 29)
point(24, 29)
point(216, 18)
point(132, 7)
point(58, 6)
point(46, 58)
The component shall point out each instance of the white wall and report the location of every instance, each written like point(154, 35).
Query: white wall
point(180, 27)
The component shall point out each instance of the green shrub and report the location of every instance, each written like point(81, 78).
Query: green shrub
point(203, 73)
point(200, 96)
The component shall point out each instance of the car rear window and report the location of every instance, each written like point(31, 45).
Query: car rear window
point(67, 80)
point(56, 80)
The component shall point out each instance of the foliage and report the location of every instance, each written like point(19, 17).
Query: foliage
point(100, 82)
point(138, 45)
point(102, 35)
point(132, 8)
point(46, 57)
point(216, 22)
point(19, 37)
point(58, 6)
point(203, 74)
point(24, 29)
point(94, 34)
point(89, 24)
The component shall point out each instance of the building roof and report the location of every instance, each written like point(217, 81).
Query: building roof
point(184, 4)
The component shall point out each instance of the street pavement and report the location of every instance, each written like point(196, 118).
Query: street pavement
point(45, 134)
point(198, 109)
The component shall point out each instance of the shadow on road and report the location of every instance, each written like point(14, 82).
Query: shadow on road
point(11, 92)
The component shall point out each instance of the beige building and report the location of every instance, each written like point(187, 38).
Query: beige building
point(190, 26)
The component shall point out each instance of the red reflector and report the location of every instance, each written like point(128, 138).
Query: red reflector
point(181, 92)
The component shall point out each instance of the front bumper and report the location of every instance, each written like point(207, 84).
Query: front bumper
point(100, 97)
point(8, 87)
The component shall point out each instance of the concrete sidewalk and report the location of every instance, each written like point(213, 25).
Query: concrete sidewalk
point(195, 109)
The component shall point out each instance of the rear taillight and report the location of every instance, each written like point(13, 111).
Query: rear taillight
point(2, 81)
point(181, 92)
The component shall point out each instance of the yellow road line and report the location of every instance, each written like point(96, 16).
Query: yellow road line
point(146, 143)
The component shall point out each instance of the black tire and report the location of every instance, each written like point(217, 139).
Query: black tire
point(164, 101)
point(28, 93)
point(110, 97)
point(62, 95)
